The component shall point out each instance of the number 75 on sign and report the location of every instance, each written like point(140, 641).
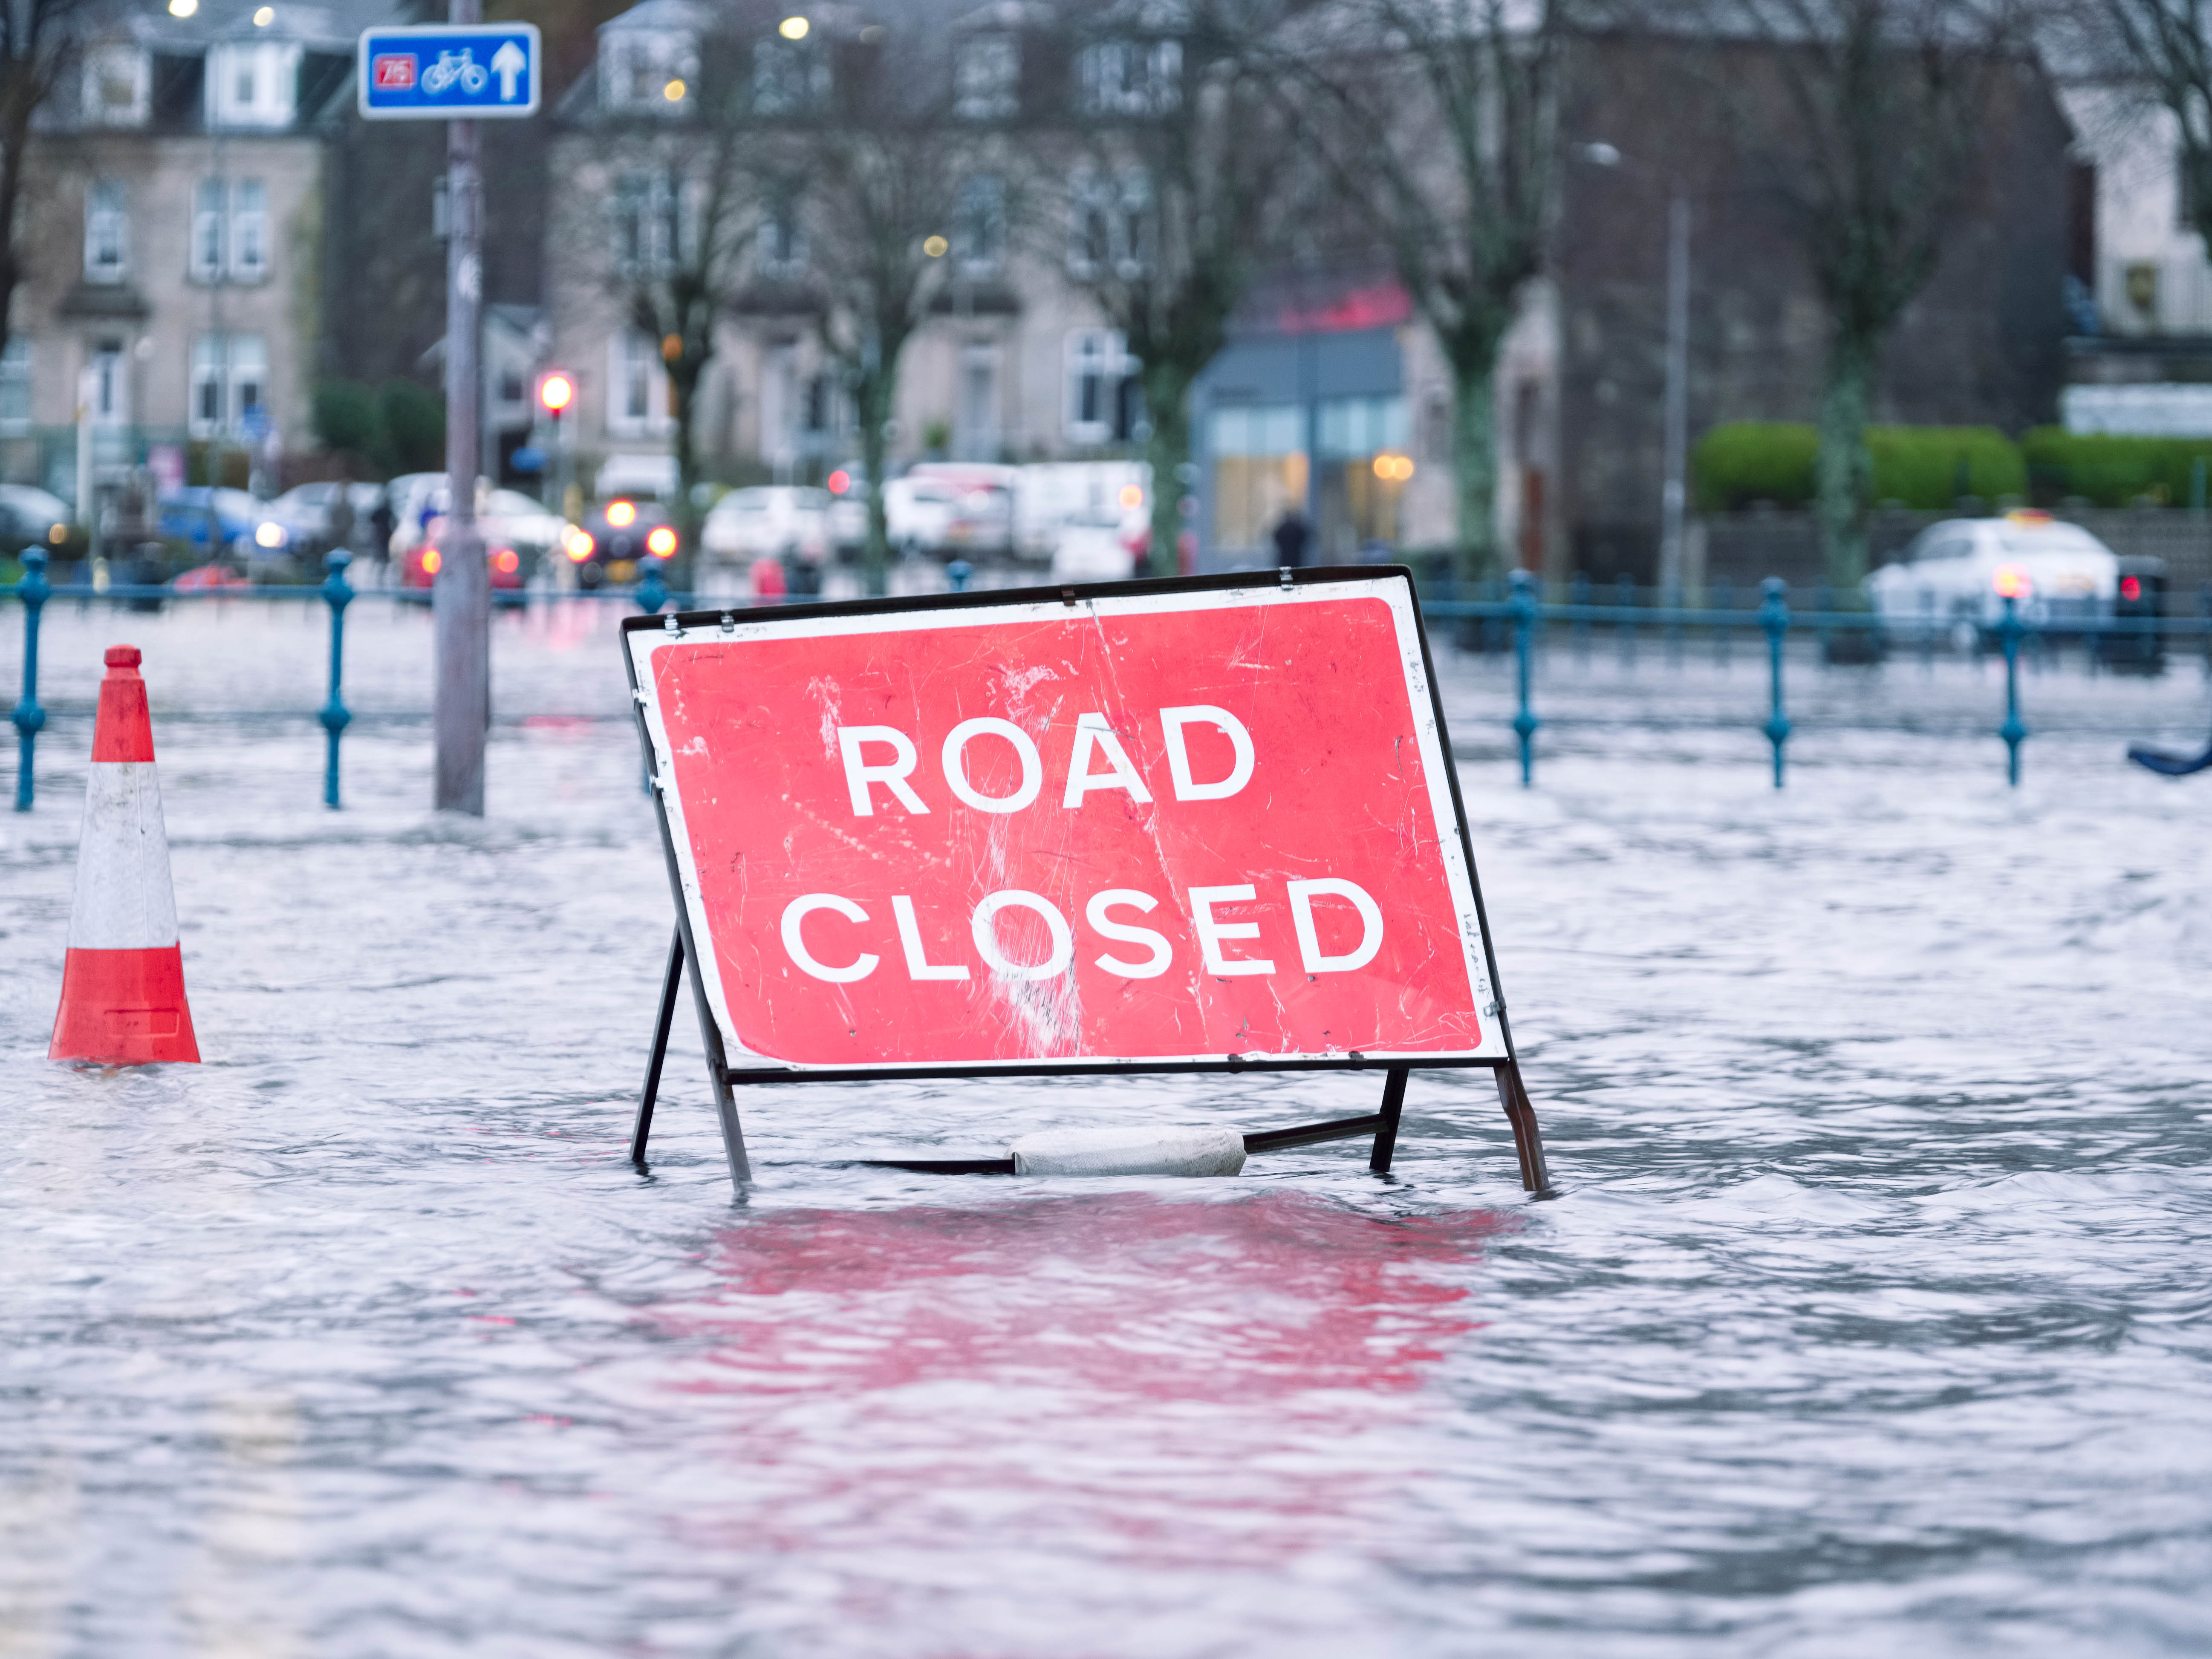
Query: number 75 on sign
point(449, 72)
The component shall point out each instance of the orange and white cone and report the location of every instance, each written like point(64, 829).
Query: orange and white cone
point(123, 984)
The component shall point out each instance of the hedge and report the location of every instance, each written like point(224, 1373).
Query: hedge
point(1921, 466)
point(2112, 471)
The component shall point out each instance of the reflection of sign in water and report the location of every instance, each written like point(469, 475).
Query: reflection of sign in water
point(436, 73)
point(1167, 827)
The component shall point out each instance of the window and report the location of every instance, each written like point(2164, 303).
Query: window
point(1110, 232)
point(1102, 388)
point(783, 239)
point(987, 78)
point(109, 388)
point(979, 225)
point(975, 429)
point(639, 68)
point(790, 77)
point(249, 230)
point(645, 225)
point(230, 384)
point(253, 84)
point(1259, 471)
point(207, 230)
point(1364, 466)
point(15, 384)
point(1130, 77)
point(639, 405)
point(117, 80)
point(106, 232)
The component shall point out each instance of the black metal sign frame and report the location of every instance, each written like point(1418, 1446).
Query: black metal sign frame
point(1382, 1125)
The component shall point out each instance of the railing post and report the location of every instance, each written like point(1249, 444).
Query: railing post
point(1774, 617)
point(957, 574)
point(2013, 729)
point(652, 591)
point(1524, 627)
point(29, 716)
point(335, 718)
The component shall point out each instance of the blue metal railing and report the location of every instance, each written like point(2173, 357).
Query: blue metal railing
point(1513, 610)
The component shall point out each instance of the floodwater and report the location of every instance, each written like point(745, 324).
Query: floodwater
point(1870, 1318)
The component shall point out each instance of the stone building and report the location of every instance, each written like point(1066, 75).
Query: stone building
point(174, 211)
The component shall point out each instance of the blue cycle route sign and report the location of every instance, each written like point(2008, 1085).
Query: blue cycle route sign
point(449, 72)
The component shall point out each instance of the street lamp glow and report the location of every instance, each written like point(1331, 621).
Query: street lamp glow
point(183, 7)
point(935, 246)
point(265, 17)
point(673, 92)
point(793, 28)
point(556, 392)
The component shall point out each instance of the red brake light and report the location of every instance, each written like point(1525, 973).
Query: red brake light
point(2011, 582)
point(839, 481)
point(621, 514)
point(431, 561)
point(2130, 588)
point(661, 542)
point(506, 560)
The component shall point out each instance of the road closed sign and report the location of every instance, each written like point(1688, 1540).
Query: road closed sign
point(1193, 822)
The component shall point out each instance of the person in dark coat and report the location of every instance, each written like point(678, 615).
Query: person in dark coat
point(1292, 536)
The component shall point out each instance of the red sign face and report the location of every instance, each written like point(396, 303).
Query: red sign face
point(393, 72)
point(1144, 828)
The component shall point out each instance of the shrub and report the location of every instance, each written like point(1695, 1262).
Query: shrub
point(412, 419)
point(2112, 471)
point(1921, 466)
point(1746, 461)
point(345, 416)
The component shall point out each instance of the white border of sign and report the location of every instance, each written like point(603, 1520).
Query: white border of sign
point(390, 31)
point(641, 643)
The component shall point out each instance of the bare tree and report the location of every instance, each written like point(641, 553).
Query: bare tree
point(1435, 117)
point(685, 212)
point(40, 43)
point(2164, 44)
point(1184, 160)
point(1882, 113)
point(900, 195)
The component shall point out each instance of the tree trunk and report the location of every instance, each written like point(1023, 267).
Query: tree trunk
point(684, 377)
point(1167, 408)
point(871, 398)
point(1474, 465)
point(1844, 469)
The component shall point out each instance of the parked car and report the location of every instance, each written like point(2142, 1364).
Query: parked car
point(29, 517)
point(785, 522)
point(1096, 548)
point(243, 528)
point(617, 537)
point(505, 517)
point(848, 505)
point(305, 509)
point(1956, 575)
point(982, 521)
point(420, 564)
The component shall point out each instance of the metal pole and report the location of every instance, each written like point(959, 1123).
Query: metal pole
point(461, 599)
point(1524, 626)
point(29, 716)
point(1774, 617)
point(1673, 495)
point(335, 717)
point(2014, 729)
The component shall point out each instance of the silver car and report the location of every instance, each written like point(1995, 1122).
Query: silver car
point(1955, 576)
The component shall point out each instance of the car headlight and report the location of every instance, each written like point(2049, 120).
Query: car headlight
point(270, 534)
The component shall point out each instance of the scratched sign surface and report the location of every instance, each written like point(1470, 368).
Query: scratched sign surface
point(1158, 827)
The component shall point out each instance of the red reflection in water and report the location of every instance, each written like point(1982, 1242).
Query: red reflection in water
point(1139, 1387)
point(1123, 1293)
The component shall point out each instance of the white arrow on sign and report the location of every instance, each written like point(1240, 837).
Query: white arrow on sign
point(508, 63)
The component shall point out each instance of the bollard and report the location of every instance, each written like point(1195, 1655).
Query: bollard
point(652, 591)
point(1524, 627)
point(958, 573)
point(29, 716)
point(1774, 617)
point(334, 716)
point(2013, 729)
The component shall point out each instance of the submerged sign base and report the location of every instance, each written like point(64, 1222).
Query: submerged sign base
point(1202, 824)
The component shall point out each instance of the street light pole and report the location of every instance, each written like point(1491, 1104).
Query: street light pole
point(461, 600)
point(1672, 502)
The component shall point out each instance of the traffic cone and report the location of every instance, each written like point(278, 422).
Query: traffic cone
point(122, 983)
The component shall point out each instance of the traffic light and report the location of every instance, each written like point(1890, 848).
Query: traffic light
point(557, 390)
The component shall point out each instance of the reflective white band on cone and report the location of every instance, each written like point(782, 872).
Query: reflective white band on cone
point(1129, 1152)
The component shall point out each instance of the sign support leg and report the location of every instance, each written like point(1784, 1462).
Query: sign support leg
point(718, 1072)
point(1386, 1136)
point(669, 983)
point(1513, 1096)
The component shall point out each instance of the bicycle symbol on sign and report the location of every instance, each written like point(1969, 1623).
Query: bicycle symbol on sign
point(456, 69)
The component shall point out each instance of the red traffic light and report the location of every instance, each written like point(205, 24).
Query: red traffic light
point(557, 391)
